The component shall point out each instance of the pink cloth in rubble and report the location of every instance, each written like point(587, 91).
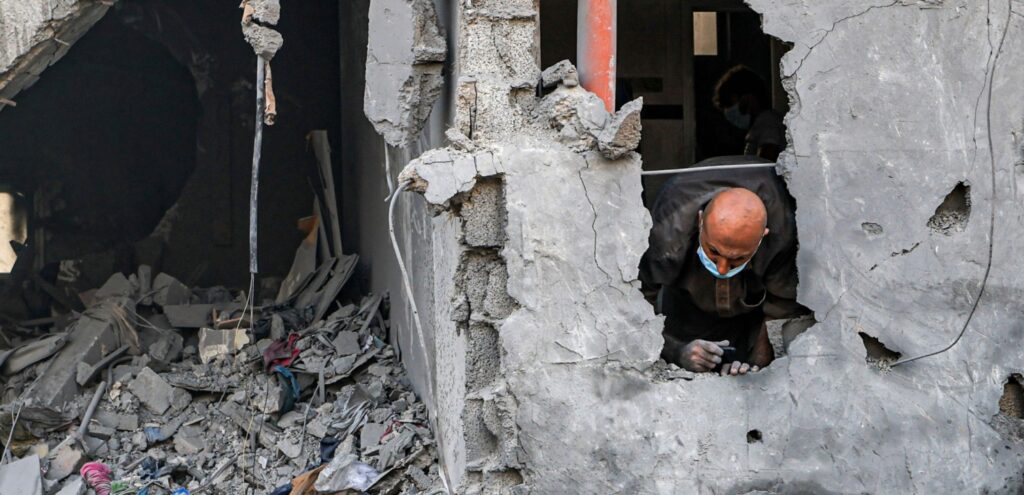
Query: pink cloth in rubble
point(97, 476)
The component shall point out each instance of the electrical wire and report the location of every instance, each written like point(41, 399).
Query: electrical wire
point(992, 210)
point(407, 284)
point(673, 171)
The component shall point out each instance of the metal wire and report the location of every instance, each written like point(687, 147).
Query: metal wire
point(710, 167)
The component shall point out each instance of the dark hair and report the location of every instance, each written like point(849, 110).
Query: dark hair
point(739, 81)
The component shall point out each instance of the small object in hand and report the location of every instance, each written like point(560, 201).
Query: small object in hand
point(728, 354)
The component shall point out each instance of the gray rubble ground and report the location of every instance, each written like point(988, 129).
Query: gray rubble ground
point(177, 420)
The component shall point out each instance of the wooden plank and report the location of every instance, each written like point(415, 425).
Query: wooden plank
point(322, 151)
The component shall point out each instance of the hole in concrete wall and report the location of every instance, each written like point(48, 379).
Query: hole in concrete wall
point(104, 142)
point(872, 229)
point(1011, 403)
point(877, 353)
point(754, 436)
point(953, 214)
point(675, 58)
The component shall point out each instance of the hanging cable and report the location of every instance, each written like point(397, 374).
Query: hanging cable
point(257, 150)
point(992, 210)
point(407, 284)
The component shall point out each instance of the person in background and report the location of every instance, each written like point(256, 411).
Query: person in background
point(743, 98)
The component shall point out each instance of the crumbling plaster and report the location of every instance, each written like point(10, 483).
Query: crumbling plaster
point(894, 104)
point(35, 34)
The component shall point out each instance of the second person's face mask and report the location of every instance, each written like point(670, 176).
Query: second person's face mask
point(738, 119)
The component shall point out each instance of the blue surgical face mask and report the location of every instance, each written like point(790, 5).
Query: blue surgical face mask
point(713, 269)
point(738, 119)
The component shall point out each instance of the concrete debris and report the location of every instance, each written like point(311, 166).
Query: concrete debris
point(18, 359)
point(74, 487)
point(64, 462)
point(189, 403)
point(621, 134)
point(581, 120)
point(268, 11)
point(264, 41)
point(189, 315)
point(459, 140)
point(153, 391)
point(563, 73)
point(214, 343)
point(346, 343)
point(405, 54)
point(168, 291)
point(22, 477)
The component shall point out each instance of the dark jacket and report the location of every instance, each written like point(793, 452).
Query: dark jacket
point(696, 304)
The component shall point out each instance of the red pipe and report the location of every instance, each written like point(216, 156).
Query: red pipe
point(596, 48)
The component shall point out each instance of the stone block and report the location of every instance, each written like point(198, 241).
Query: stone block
point(89, 340)
point(213, 343)
point(167, 290)
point(66, 461)
point(153, 391)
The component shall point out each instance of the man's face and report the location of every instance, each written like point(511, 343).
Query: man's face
point(728, 248)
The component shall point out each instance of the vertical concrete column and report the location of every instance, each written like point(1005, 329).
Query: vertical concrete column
point(596, 48)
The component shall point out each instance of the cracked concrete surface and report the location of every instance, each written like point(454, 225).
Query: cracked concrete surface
point(894, 104)
point(405, 55)
point(36, 33)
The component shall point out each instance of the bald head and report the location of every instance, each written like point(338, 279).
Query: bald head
point(733, 224)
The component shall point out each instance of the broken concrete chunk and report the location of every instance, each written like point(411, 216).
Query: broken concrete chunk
point(264, 41)
point(576, 114)
point(154, 393)
point(371, 434)
point(621, 134)
point(66, 460)
point(145, 277)
point(74, 486)
point(122, 422)
point(405, 55)
point(101, 432)
point(33, 352)
point(167, 290)
point(213, 343)
point(267, 11)
point(290, 447)
point(563, 72)
point(346, 343)
point(188, 443)
point(189, 315)
point(459, 140)
point(167, 347)
point(89, 341)
point(116, 285)
point(22, 477)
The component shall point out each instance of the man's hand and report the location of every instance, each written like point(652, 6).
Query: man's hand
point(700, 355)
point(738, 368)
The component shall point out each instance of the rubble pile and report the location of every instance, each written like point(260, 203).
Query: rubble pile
point(159, 389)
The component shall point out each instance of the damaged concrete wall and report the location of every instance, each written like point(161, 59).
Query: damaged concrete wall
point(901, 263)
point(369, 165)
point(405, 56)
point(36, 33)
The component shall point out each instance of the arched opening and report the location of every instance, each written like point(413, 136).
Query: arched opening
point(104, 143)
